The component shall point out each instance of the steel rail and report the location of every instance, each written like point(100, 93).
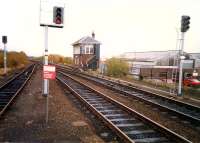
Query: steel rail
point(130, 85)
point(132, 112)
point(194, 120)
point(9, 102)
point(153, 96)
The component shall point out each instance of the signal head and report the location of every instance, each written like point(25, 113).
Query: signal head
point(58, 13)
point(185, 22)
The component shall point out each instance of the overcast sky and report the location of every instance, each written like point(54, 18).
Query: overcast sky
point(120, 25)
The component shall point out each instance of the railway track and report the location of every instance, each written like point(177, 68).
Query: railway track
point(10, 89)
point(186, 113)
point(128, 124)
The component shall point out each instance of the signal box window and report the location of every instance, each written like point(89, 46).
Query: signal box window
point(89, 49)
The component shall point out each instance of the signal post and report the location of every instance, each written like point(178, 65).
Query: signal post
point(57, 22)
point(185, 21)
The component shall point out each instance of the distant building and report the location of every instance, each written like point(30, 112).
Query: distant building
point(159, 64)
point(159, 58)
point(86, 52)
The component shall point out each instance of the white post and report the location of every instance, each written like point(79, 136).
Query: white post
point(5, 60)
point(181, 66)
point(46, 81)
point(46, 59)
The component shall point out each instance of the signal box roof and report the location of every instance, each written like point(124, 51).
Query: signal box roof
point(86, 40)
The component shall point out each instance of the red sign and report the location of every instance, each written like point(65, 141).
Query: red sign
point(49, 72)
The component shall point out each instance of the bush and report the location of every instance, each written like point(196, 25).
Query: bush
point(60, 59)
point(14, 59)
point(116, 67)
point(1, 59)
point(68, 60)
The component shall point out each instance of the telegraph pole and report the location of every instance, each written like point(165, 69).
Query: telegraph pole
point(185, 21)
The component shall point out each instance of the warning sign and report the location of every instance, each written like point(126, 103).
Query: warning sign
point(49, 72)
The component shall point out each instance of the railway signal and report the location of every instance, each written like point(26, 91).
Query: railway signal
point(58, 22)
point(4, 41)
point(185, 22)
point(58, 13)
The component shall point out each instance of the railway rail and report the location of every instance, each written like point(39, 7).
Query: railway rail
point(186, 113)
point(10, 89)
point(128, 124)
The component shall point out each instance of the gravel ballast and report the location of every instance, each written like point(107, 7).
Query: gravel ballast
point(25, 120)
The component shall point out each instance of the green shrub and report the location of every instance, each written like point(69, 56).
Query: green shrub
point(116, 67)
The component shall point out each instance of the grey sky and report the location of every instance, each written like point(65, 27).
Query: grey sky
point(120, 25)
